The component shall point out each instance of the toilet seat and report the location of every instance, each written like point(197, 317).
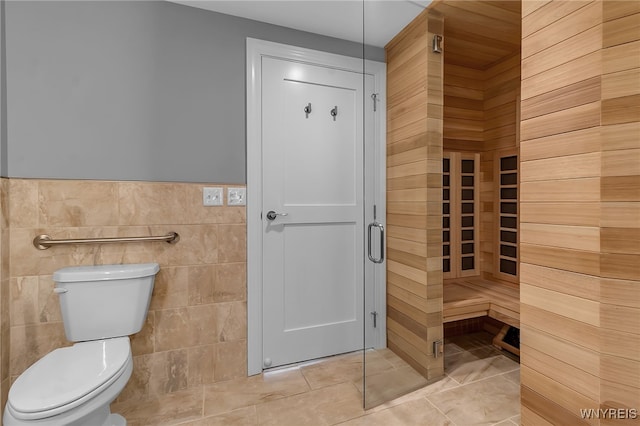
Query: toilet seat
point(68, 377)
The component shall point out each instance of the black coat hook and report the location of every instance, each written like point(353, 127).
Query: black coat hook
point(334, 112)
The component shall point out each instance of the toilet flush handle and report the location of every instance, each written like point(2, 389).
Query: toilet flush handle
point(59, 290)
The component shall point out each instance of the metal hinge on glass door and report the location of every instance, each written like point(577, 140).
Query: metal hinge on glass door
point(438, 348)
point(374, 314)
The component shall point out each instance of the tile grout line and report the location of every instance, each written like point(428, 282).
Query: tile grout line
point(439, 410)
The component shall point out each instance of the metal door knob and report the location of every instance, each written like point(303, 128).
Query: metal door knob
point(271, 215)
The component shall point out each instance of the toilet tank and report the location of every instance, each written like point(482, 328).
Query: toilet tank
point(100, 302)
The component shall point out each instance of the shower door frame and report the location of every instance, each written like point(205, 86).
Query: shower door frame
point(256, 49)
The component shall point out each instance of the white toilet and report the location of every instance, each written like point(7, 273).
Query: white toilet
point(101, 306)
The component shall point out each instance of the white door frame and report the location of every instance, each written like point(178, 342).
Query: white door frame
point(256, 49)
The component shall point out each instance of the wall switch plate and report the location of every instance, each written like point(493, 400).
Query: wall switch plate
point(212, 196)
point(236, 196)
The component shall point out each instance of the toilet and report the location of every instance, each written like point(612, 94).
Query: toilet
point(101, 306)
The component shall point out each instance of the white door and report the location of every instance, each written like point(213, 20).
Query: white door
point(313, 184)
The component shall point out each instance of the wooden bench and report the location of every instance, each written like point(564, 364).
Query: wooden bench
point(476, 297)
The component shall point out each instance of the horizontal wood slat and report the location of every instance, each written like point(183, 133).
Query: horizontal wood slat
point(577, 214)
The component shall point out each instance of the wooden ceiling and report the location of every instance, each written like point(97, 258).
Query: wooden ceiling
point(479, 33)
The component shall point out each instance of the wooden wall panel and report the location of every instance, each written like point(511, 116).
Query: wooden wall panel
point(561, 76)
point(570, 24)
point(557, 168)
point(622, 30)
point(580, 156)
point(561, 168)
point(414, 195)
point(620, 232)
point(463, 115)
point(580, 93)
point(562, 145)
point(560, 213)
point(541, 17)
point(501, 124)
point(572, 48)
point(584, 382)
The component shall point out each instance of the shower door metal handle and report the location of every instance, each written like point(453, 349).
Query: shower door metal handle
point(381, 228)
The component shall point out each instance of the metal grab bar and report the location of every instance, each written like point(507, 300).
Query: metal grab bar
point(44, 241)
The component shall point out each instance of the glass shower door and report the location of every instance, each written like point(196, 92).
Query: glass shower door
point(409, 304)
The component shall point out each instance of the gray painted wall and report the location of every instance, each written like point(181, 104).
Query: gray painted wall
point(133, 90)
point(3, 94)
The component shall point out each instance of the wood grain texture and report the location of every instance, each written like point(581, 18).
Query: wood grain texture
point(624, 29)
point(560, 76)
point(541, 336)
point(565, 144)
point(584, 382)
point(580, 217)
point(476, 297)
point(620, 188)
point(539, 408)
point(568, 120)
point(479, 33)
point(621, 83)
point(584, 262)
point(546, 14)
point(569, 283)
point(576, 214)
point(562, 236)
point(623, 57)
point(561, 394)
point(565, 51)
point(624, 109)
point(571, 190)
point(621, 136)
point(561, 167)
point(570, 24)
point(560, 303)
point(580, 93)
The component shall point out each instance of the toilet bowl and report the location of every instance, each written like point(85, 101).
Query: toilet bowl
point(75, 385)
point(69, 385)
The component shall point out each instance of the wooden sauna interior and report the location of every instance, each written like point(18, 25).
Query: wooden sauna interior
point(455, 258)
point(557, 84)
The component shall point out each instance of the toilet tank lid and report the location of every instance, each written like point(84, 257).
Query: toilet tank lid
point(105, 272)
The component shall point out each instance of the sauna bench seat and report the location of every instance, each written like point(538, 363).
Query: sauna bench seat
point(476, 297)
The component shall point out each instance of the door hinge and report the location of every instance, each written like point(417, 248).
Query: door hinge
point(374, 314)
point(374, 96)
point(438, 348)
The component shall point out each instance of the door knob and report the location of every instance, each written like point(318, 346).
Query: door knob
point(271, 215)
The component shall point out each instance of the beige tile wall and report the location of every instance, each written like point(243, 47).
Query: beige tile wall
point(195, 332)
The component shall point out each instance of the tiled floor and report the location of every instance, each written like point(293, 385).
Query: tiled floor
point(481, 387)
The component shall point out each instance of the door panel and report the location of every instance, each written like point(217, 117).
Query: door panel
point(316, 295)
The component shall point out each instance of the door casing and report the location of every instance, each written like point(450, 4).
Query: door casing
point(256, 49)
